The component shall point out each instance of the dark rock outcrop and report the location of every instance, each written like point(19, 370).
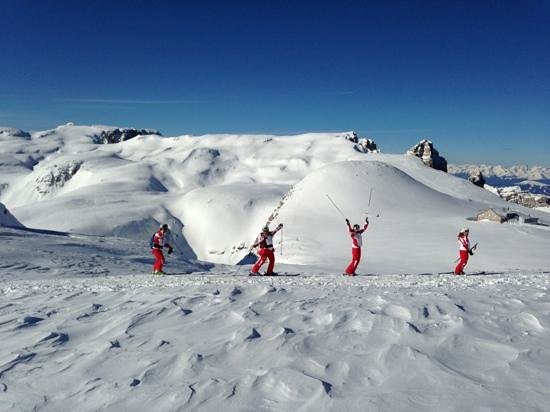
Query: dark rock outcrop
point(120, 135)
point(429, 155)
point(476, 177)
point(362, 144)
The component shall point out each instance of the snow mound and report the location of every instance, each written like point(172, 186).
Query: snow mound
point(7, 219)
point(413, 226)
point(228, 215)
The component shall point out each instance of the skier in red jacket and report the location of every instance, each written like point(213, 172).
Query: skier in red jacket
point(159, 241)
point(267, 251)
point(356, 243)
point(464, 250)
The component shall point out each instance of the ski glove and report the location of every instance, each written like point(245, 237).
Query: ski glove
point(471, 253)
point(170, 250)
point(367, 220)
point(280, 226)
point(347, 222)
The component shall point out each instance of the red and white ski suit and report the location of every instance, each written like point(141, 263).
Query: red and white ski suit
point(464, 251)
point(267, 251)
point(159, 242)
point(356, 244)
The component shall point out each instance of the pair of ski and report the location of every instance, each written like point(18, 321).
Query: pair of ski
point(273, 274)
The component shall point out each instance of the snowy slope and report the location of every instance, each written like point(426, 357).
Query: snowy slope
point(83, 329)
point(63, 180)
point(217, 191)
point(416, 227)
point(84, 326)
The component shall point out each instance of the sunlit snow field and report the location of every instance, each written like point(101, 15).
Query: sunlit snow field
point(85, 326)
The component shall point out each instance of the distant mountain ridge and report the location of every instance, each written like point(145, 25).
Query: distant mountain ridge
point(521, 172)
point(522, 184)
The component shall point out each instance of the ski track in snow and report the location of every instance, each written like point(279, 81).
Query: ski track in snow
point(317, 342)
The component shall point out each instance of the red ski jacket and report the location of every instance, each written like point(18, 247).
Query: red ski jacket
point(356, 236)
point(159, 240)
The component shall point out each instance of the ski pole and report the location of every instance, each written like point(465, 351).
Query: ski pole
point(281, 241)
point(334, 204)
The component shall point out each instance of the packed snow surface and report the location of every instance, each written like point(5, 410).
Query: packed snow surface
point(84, 328)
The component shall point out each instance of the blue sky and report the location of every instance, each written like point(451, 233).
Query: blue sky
point(473, 76)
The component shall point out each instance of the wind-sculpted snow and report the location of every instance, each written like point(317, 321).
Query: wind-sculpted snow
point(84, 326)
point(319, 342)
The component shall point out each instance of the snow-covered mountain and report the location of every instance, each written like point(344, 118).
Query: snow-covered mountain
point(532, 179)
point(523, 172)
point(217, 191)
point(526, 185)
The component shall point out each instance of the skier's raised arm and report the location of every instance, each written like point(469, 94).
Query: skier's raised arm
point(365, 226)
point(349, 226)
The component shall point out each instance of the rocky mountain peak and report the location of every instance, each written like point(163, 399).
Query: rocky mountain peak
point(476, 177)
point(429, 155)
point(363, 144)
point(120, 135)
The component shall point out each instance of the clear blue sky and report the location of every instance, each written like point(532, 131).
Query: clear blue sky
point(473, 76)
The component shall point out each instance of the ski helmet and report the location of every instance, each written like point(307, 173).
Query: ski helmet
point(356, 227)
point(265, 229)
point(464, 230)
point(164, 226)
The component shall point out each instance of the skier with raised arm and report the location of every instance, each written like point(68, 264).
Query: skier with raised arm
point(464, 250)
point(356, 234)
point(158, 242)
point(267, 251)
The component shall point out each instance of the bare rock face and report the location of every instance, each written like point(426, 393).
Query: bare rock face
point(120, 135)
point(362, 144)
point(476, 177)
point(429, 155)
point(56, 176)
